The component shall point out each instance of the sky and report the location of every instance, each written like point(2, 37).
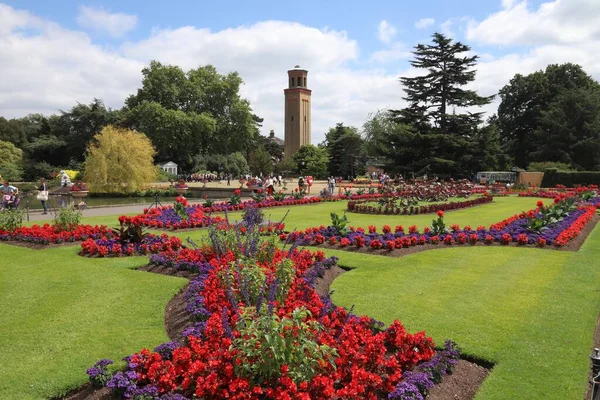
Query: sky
point(54, 54)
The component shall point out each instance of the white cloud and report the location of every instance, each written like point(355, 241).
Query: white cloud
point(45, 68)
point(386, 32)
point(397, 51)
point(559, 21)
point(115, 24)
point(424, 23)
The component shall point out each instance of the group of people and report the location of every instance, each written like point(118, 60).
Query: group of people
point(10, 195)
point(266, 183)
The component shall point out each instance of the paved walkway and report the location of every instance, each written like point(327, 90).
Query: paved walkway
point(101, 211)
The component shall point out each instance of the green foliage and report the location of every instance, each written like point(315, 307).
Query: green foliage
point(234, 164)
point(344, 147)
point(260, 162)
point(12, 131)
point(11, 219)
point(179, 208)
point(67, 218)
point(545, 165)
point(11, 161)
point(285, 166)
point(436, 95)
point(128, 232)
point(570, 179)
point(258, 196)
point(340, 224)
point(315, 161)
point(552, 115)
point(279, 196)
point(268, 342)
point(119, 161)
point(438, 226)
point(164, 176)
point(186, 114)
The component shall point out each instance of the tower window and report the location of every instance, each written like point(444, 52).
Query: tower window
point(304, 81)
point(292, 117)
point(292, 81)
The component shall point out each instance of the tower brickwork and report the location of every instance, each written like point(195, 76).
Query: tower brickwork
point(297, 111)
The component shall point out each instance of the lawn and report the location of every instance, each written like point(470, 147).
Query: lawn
point(531, 312)
point(59, 313)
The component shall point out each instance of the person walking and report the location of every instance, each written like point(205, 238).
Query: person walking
point(43, 195)
point(331, 183)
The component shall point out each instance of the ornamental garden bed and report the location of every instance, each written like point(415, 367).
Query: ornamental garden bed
point(39, 237)
point(556, 225)
point(395, 206)
point(261, 331)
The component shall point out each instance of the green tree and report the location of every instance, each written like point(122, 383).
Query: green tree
point(11, 161)
point(203, 106)
point(433, 96)
point(12, 131)
point(312, 161)
point(177, 135)
point(119, 161)
point(435, 133)
point(344, 147)
point(260, 162)
point(552, 115)
point(78, 126)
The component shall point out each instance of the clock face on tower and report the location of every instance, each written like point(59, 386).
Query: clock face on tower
point(297, 110)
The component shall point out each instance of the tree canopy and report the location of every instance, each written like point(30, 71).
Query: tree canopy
point(11, 161)
point(312, 161)
point(119, 161)
point(344, 147)
point(552, 115)
point(439, 131)
point(185, 114)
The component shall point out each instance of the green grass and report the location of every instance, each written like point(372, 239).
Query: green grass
point(532, 312)
point(59, 313)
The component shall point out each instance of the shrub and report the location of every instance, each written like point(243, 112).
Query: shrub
point(546, 165)
point(270, 346)
point(570, 178)
point(119, 160)
point(67, 218)
point(11, 219)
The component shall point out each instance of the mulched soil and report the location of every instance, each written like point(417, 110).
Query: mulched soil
point(462, 384)
point(573, 245)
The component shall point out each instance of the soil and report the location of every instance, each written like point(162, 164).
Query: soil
point(87, 392)
point(573, 245)
point(462, 384)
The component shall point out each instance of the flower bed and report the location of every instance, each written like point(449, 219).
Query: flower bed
point(150, 244)
point(367, 207)
point(263, 332)
point(553, 192)
point(167, 218)
point(50, 234)
point(220, 207)
point(511, 230)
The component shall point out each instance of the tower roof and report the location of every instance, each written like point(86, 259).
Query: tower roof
point(298, 68)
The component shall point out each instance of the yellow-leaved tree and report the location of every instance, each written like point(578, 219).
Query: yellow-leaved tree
point(119, 161)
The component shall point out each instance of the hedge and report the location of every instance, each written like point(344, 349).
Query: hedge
point(553, 177)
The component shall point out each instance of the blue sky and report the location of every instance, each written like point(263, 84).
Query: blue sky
point(56, 53)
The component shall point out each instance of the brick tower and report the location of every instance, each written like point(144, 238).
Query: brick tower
point(297, 111)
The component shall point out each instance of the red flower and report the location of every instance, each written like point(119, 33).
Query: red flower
point(440, 214)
